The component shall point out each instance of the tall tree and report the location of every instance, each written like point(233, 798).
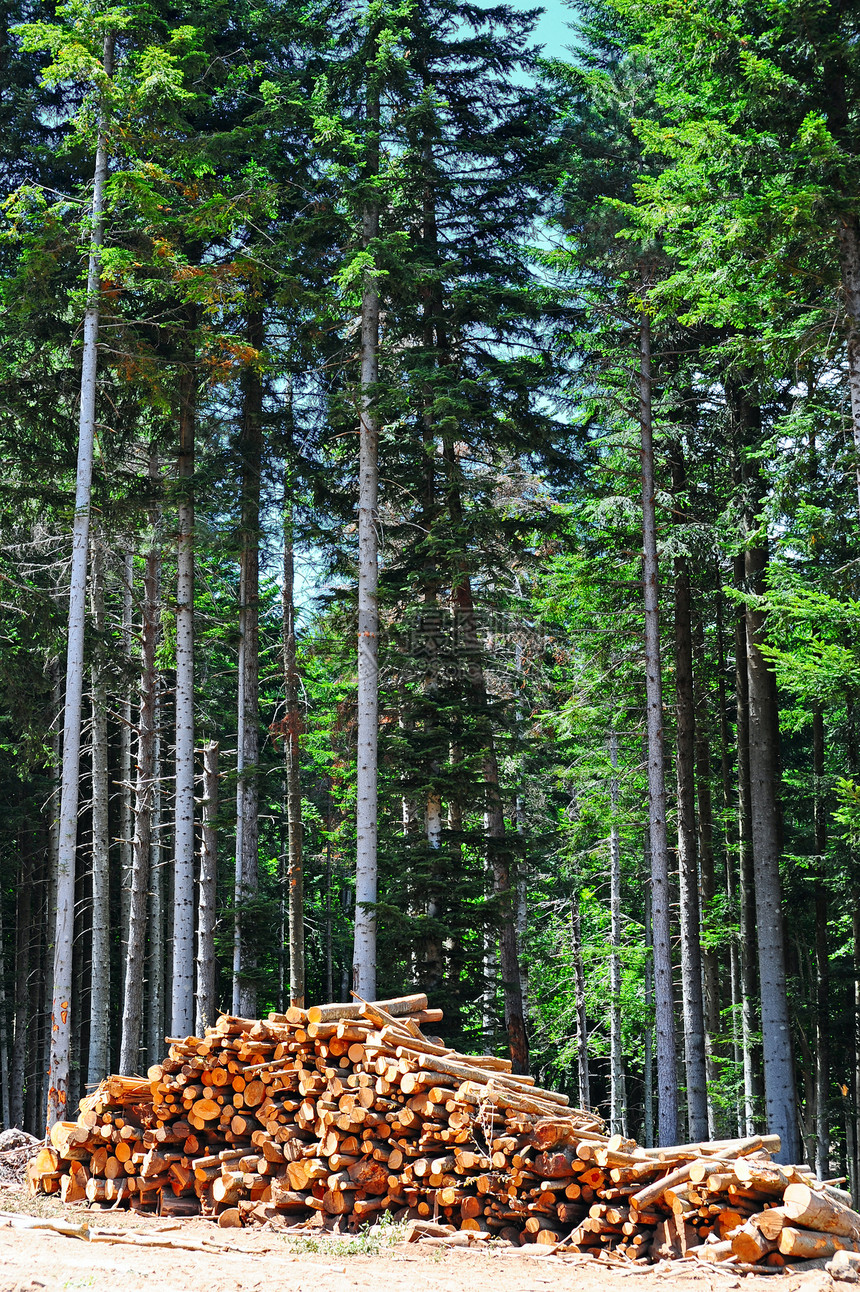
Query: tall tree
point(61, 1006)
point(364, 953)
point(667, 1084)
point(182, 976)
point(248, 737)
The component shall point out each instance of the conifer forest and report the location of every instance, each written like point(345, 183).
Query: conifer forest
point(430, 542)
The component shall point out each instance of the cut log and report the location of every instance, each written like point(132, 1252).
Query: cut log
point(398, 1006)
point(815, 1210)
point(806, 1244)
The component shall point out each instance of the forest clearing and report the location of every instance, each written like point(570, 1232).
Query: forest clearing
point(429, 599)
point(347, 1119)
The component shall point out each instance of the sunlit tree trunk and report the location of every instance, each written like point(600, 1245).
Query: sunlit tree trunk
point(155, 960)
point(364, 946)
point(667, 1080)
point(182, 968)
point(97, 1066)
point(126, 767)
point(688, 871)
point(248, 736)
point(617, 1098)
point(295, 866)
point(207, 892)
point(132, 1010)
point(583, 1078)
point(61, 1003)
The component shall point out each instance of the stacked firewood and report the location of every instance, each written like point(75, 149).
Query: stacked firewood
point(333, 1116)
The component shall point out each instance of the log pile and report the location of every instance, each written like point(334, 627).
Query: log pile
point(333, 1116)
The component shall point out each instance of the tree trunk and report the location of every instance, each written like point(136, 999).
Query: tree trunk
point(207, 894)
point(292, 730)
point(132, 1010)
point(182, 969)
point(822, 963)
point(47, 966)
point(667, 1079)
point(248, 738)
point(364, 948)
point(329, 958)
point(4, 1037)
point(780, 1096)
point(579, 1000)
point(688, 872)
point(855, 1048)
point(155, 972)
point(710, 961)
point(126, 766)
point(647, 1042)
point(617, 1099)
point(730, 836)
point(32, 1117)
point(23, 923)
point(498, 849)
point(61, 1003)
point(97, 1066)
point(748, 938)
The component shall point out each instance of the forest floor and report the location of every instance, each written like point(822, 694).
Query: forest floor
point(260, 1260)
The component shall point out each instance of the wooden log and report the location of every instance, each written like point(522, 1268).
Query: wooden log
point(771, 1222)
point(230, 1218)
point(815, 1210)
point(806, 1244)
point(228, 1189)
point(70, 1141)
point(750, 1245)
point(400, 1005)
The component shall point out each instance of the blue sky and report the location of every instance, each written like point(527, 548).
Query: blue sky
point(552, 31)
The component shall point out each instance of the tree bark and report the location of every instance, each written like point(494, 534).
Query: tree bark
point(207, 892)
point(579, 1000)
point(822, 962)
point(617, 1094)
point(688, 872)
point(746, 871)
point(132, 1010)
point(364, 947)
point(667, 1079)
point(855, 932)
point(498, 849)
point(707, 878)
point(23, 924)
point(37, 997)
point(730, 835)
point(61, 1003)
point(780, 1095)
point(126, 765)
point(647, 1042)
point(292, 730)
point(97, 1065)
point(248, 738)
point(155, 971)
point(182, 968)
point(4, 1037)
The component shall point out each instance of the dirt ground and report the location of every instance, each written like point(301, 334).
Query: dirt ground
point(261, 1261)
